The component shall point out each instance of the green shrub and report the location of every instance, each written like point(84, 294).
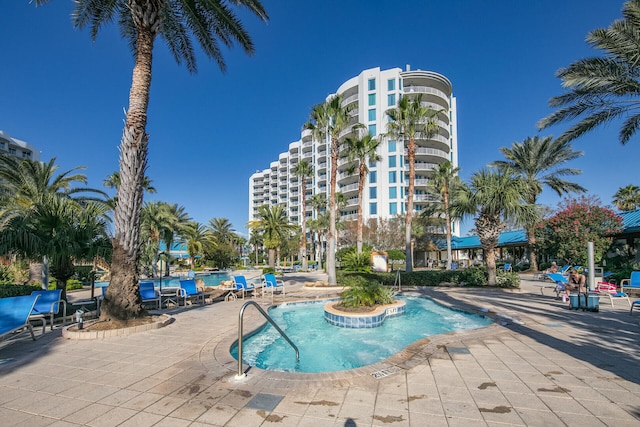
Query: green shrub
point(11, 290)
point(73, 284)
point(474, 276)
point(507, 280)
point(366, 294)
point(353, 261)
point(268, 270)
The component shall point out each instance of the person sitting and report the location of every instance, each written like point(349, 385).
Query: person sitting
point(577, 282)
point(553, 268)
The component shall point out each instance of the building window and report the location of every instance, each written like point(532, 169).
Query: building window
point(373, 192)
point(391, 84)
point(372, 99)
point(373, 208)
point(372, 177)
point(372, 115)
point(392, 177)
point(372, 130)
point(393, 208)
point(392, 161)
point(391, 100)
point(372, 164)
point(12, 151)
point(392, 147)
point(393, 192)
point(372, 84)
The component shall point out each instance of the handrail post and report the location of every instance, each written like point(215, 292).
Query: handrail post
point(241, 374)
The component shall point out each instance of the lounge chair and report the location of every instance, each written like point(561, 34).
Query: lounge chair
point(560, 283)
point(611, 291)
point(241, 285)
point(48, 305)
point(14, 314)
point(271, 284)
point(633, 304)
point(507, 267)
point(631, 285)
point(148, 293)
point(189, 291)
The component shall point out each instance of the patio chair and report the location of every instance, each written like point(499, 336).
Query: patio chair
point(633, 304)
point(14, 314)
point(241, 285)
point(560, 281)
point(271, 284)
point(48, 305)
point(188, 291)
point(507, 267)
point(632, 284)
point(148, 293)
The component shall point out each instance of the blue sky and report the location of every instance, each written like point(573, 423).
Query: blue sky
point(210, 131)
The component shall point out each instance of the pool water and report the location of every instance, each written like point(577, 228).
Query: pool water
point(213, 279)
point(327, 348)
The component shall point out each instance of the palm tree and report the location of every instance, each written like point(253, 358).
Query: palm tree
point(411, 120)
point(445, 179)
point(272, 222)
point(493, 197)
point(43, 217)
point(303, 170)
point(221, 230)
point(210, 22)
point(176, 223)
point(196, 235)
point(329, 120)
point(318, 202)
point(113, 181)
point(361, 152)
point(603, 89)
point(627, 198)
point(539, 162)
point(257, 241)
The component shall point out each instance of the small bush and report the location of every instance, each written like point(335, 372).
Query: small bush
point(366, 295)
point(268, 270)
point(507, 280)
point(11, 290)
point(353, 261)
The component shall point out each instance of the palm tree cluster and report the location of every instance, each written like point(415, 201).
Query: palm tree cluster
point(627, 198)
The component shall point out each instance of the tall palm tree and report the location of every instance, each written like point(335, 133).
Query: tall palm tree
point(603, 89)
point(318, 202)
point(274, 225)
point(627, 198)
point(445, 179)
point(494, 197)
point(178, 22)
point(540, 162)
point(113, 181)
point(303, 170)
point(257, 241)
point(222, 230)
point(329, 120)
point(410, 120)
point(361, 152)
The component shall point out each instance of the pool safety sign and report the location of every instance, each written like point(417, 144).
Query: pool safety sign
point(379, 261)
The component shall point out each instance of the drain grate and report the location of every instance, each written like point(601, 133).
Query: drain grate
point(385, 372)
point(264, 401)
point(458, 350)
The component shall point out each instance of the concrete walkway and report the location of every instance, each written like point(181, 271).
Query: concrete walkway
point(541, 364)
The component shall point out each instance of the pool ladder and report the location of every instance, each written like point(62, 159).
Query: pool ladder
point(241, 374)
point(397, 282)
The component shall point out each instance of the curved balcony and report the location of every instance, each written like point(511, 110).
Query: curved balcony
point(306, 135)
point(430, 155)
point(349, 188)
point(349, 100)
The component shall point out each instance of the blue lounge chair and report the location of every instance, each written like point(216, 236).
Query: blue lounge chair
point(560, 281)
point(271, 284)
point(148, 293)
point(240, 283)
point(631, 285)
point(633, 304)
point(189, 291)
point(48, 305)
point(610, 290)
point(507, 267)
point(14, 314)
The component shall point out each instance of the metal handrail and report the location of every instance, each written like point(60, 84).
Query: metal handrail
point(397, 281)
point(266, 316)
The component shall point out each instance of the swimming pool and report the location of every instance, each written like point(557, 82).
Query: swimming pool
point(211, 279)
point(327, 348)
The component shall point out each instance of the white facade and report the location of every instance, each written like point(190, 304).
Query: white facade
point(372, 93)
point(17, 148)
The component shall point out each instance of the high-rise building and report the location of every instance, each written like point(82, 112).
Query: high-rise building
point(17, 148)
point(371, 94)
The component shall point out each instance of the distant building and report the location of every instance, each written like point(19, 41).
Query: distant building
point(17, 148)
point(372, 93)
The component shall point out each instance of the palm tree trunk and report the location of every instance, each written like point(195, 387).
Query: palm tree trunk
point(303, 243)
point(447, 219)
point(122, 300)
point(331, 238)
point(362, 176)
point(533, 256)
point(411, 155)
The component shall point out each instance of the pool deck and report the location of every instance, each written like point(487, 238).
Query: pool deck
point(541, 364)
